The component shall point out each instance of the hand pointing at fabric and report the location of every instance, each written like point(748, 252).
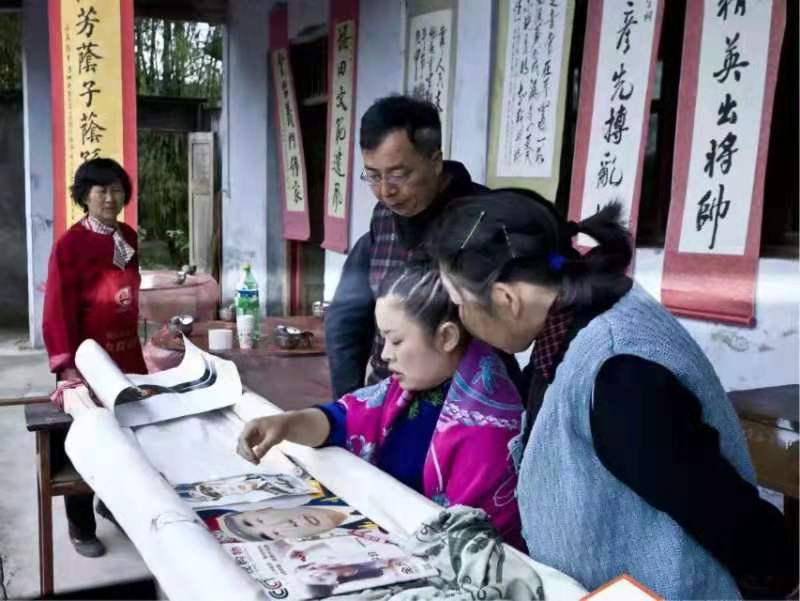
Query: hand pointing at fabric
point(308, 427)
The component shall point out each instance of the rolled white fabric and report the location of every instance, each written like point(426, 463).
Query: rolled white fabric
point(386, 501)
point(184, 557)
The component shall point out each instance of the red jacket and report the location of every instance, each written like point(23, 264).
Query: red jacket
point(88, 297)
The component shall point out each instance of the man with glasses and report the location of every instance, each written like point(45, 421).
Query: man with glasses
point(401, 144)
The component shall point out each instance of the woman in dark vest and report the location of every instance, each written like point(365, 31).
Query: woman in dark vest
point(632, 459)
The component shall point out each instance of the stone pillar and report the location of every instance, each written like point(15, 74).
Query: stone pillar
point(38, 157)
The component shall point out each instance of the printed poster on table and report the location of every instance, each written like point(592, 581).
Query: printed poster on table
point(728, 74)
point(430, 55)
point(93, 95)
point(528, 94)
point(619, 57)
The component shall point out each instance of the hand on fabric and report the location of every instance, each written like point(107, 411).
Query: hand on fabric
point(64, 384)
point(260, 435)
point(308, 427)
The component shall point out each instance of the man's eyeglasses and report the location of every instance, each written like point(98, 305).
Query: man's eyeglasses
point(374, 179)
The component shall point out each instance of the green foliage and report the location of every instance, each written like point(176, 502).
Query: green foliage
point(10, 51)
point(163, 190)
point(177, 59)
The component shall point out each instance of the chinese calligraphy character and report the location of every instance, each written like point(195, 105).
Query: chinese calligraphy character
point(624, 32)
point(341, 68)
point(87, 19)
point(297, 197)
point(91, 129)
point(89, 90)
point(732, 62)
point(281, 64)
point(287, 109)
point(343, 37)
point(616, 125)
point(337, 200)
point(726, 111)
point(608, 175)
point(340, 98)
point(721, 153)
point(338, 162)
point(539, 151)
point(292, 141)
point(341, 132)
point(712, 209)
point(294, 166)
point(87, 57)
point(619, 84)
point(723, 6)
point(89, 154)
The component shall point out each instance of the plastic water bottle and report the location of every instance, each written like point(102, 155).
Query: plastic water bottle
point(247, 311)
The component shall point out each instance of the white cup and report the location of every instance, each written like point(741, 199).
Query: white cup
point(245, 324)
point(220, 340)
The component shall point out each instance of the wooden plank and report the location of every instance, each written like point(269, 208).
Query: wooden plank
point(45, 513)
point(775, 405)
point(775, 456)
point(24, 400)
point(201, 201)
point(45, 416)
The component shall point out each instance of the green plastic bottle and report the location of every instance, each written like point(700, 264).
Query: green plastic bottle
point(247, 305)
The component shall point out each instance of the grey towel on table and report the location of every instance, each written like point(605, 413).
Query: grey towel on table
point(465, 548)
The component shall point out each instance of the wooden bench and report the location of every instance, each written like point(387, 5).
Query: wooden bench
point(769, 417)
point(52, 480)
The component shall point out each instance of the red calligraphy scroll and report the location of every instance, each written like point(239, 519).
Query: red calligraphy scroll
point(342, 71)
point(714, 229)
point(294, 183)
point(616, 75)
point(93, 95)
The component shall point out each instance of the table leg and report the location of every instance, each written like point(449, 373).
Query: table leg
point(45, 514)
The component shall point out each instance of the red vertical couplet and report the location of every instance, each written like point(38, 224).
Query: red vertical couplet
point(342, 69)
point(294, 182)
point(93, 93)
point(728, 74)
point(619, 59)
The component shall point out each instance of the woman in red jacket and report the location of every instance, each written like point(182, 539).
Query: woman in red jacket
point(93, 292)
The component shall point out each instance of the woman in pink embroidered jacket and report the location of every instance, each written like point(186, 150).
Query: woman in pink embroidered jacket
point(441, 423)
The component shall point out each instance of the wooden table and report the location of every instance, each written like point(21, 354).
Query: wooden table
point(291, 379)
point(769, 417)
point(55, 477)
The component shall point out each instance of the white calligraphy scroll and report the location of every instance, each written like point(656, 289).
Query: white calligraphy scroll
point(428, 64)
point(729, 68)
point(619, 57)
point(341, 114)
point(290, 149)
point(731, 184)
point(534, 47)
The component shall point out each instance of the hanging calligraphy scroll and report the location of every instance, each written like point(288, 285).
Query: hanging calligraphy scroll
point(93, 95)
point(731, 51)
point(619, 56)
point(528, 94)
point(290, 147)
point(341, 119)
point(430, 55)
